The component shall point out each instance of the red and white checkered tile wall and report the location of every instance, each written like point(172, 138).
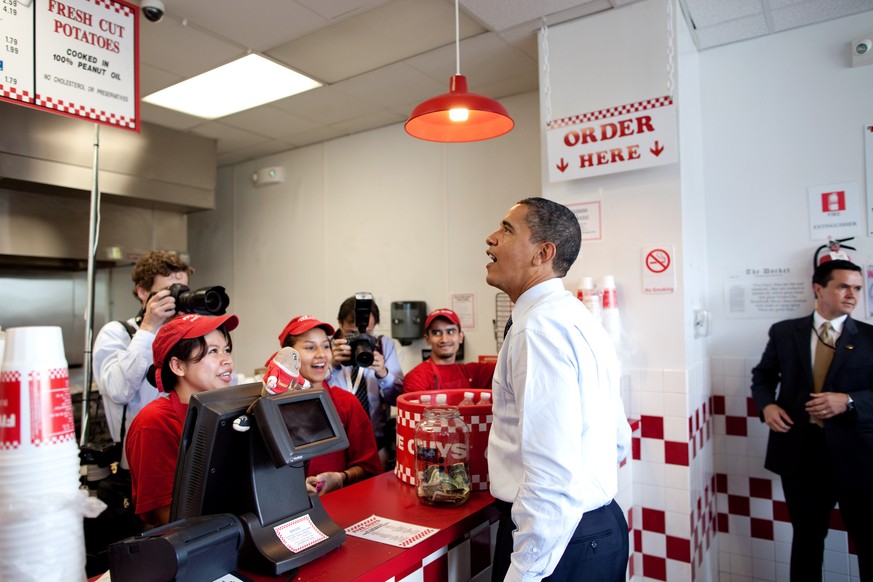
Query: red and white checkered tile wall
point(704, 507)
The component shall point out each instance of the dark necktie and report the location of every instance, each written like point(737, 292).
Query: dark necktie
point(361, 390)
point(508, 325)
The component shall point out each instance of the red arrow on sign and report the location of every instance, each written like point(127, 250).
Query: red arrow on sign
point(563, 165)
point(657, 149)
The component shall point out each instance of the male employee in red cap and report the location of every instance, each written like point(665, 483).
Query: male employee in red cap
point(442, 332)
point(192, 354)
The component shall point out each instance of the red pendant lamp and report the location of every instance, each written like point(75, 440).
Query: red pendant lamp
point(458, 116)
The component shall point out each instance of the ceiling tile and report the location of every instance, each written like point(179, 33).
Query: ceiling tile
point(326, 105)
point(152, 79)
point(361, 43)
point(706, 13)
point(229, 138)
point(256, 25)
point(269, 121)
point(393, 85)
point(183, 50)
point(168, 117)
point(812, 11)
point(499, 15)
point(732, 31)
point(251, 152)
point(315, 136)
point(372, 121)
point(334, 9)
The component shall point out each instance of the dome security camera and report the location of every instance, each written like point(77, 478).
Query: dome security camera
point(862, 47)
point(153, 10)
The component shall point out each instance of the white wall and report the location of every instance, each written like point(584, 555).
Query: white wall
point(639, 208)
point(781, 113)
point(377, 211)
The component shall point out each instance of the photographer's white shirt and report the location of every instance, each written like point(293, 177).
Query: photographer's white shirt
point(120, 366)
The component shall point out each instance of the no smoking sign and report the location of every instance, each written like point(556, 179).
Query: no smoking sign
point(659, 276)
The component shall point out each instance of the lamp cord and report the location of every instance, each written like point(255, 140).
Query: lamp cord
point(457, 40)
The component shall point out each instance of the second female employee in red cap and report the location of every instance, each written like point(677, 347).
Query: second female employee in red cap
point(191, 355)
point(311, 339)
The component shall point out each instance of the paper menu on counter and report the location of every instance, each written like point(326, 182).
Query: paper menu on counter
point(391, 532)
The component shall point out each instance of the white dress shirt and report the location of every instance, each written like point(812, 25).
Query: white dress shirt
point(120, 366)
point(559, 428)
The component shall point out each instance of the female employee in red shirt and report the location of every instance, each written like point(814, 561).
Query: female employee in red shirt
point(191, 354)
point(311, 339)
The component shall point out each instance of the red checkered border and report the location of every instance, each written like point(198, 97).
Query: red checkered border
point(611, 112)
point(86, 112)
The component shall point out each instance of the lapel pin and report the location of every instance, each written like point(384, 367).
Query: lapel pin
point(850, 347)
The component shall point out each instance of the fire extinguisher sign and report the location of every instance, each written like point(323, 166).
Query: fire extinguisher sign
point(659, 274)
point(834, 211)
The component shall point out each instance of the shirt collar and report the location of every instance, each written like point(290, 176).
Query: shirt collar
point(534, 294)
point(836, 324)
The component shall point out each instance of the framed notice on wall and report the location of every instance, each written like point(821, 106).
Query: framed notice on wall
point(73, 57)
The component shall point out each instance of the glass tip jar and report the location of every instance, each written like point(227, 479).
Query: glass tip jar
point(442, 468)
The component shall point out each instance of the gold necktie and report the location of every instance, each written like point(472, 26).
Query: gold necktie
point(824, 353)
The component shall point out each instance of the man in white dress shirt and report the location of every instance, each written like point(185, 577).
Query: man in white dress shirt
point(559, 427)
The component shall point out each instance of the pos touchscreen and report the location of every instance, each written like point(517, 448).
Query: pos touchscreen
point(299, 425)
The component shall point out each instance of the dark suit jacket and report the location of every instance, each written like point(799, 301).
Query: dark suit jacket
point(787, 364)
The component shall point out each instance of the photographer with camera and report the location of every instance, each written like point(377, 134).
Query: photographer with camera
point(123, 349)
point(442, 332)
point(367, 366)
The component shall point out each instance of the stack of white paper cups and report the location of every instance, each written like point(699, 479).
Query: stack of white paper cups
point(41, 527)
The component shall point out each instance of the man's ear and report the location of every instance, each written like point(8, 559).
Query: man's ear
point(143, 294)
point(545, 253)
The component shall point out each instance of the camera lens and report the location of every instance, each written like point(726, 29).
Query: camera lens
point(363, 355)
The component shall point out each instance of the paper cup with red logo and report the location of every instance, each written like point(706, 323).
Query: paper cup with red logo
point(39, 461)
point(36, 413)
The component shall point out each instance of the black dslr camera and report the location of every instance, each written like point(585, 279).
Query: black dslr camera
point(203, 301)
point(362, 343)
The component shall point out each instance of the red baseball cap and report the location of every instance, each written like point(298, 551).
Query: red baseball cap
point(186, 326)
point(445, 313)
point(302, 324)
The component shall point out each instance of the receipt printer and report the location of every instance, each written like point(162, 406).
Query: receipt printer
point(192, 549)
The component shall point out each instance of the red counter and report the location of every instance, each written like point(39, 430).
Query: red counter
point(459, 550)
point(386, 496)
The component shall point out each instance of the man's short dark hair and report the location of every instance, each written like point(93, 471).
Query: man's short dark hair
point(155, 263)
point(555, 223)
point(347, 311)
point(825, 271)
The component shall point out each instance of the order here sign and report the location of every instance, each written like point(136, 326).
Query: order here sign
point(617, 139)
point(74, 57)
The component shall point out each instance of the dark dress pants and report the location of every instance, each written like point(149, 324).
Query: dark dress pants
point(598, 549)
point(811, 493)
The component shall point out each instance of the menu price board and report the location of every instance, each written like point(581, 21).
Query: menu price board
point(74, 57)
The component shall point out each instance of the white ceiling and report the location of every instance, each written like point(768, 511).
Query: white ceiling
point(379, 58)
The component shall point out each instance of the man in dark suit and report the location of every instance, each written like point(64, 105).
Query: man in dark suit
point(821, 418)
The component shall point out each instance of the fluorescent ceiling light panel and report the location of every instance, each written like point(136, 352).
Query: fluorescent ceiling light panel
point(237, 86)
